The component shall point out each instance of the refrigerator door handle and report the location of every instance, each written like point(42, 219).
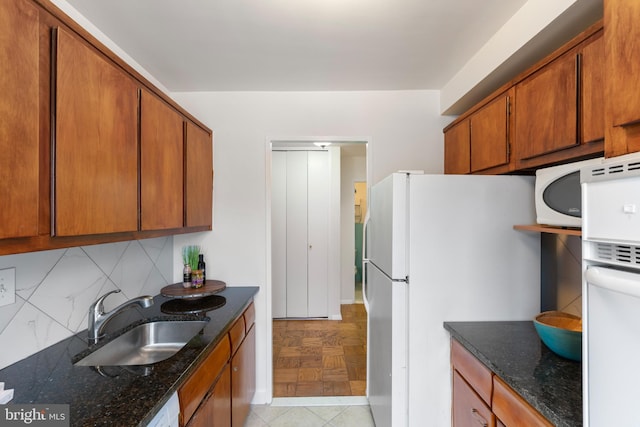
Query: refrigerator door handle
point(365, 261)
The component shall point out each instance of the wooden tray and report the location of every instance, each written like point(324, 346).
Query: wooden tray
point(178, 291)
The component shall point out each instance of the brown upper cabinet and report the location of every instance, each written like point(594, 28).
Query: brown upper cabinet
point(490, 131)
point(199, 176)
point(95, 143)
point(552, 112)
point(558, 112)
point(481, 142)
point(547, 109)
point(622, 62)
point(92, 151)
point(19, 123)
point(457, 149)
point(161, 164)
point(592, 90)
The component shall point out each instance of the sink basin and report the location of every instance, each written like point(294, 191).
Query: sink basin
point(145, 344)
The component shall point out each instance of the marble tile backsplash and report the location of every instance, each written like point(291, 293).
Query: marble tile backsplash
point(569, 286)
point(54, 289)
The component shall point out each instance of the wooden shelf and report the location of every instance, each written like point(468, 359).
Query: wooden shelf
point(549, 229)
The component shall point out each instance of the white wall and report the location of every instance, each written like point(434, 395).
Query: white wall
point(405, 130)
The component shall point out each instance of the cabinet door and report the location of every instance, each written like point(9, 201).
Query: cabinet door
point(622, 64)
point(19, 125)
point(161, 164)
point(622, 38)
point(215, 410)
point(512, 409)
point(490, 134)
point(546, 109)
point(96, 146)
point(474, 372)
point(243, 379)
point(296, 234)
point(199, 177)
point(318, 231)
point(196, 387)
point(468, 408)
point(457, 149)
point(592, 91)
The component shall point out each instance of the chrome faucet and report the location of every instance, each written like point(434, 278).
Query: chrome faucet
point(98, 318)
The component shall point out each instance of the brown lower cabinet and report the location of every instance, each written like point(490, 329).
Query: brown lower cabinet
point(243, 379)
point(468, 408)
point(215, 409)
point(480, 398)
point(219, 391)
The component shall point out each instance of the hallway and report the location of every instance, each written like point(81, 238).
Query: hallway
point(321, 357)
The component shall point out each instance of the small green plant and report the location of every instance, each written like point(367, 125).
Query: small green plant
point(190, 255)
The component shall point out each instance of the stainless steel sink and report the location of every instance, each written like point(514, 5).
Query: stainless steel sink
point(145, 344)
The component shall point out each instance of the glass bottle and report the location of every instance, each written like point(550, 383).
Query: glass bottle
point(186, 276)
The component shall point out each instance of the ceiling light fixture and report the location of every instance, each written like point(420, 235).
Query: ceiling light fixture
point(322, 144)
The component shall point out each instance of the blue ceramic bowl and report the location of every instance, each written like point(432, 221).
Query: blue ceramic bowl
point(561, 332)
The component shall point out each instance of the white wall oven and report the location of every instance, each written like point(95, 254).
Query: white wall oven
point(611, 292)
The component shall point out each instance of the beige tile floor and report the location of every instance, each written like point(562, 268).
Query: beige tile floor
point(310, 416)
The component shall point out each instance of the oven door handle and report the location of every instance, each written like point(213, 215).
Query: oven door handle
point(614, 280)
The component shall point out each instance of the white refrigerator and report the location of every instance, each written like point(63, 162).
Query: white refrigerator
point(440, 248)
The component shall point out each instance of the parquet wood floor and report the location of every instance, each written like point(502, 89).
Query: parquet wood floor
point(321, 357)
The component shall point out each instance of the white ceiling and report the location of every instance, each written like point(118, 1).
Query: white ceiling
point(283, 45)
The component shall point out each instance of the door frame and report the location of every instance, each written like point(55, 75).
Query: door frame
point(302, 140)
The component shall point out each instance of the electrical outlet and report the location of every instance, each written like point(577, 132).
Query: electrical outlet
point(7, 286)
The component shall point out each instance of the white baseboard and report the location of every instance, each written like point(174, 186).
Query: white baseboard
point(320, 401)
point(260, 398)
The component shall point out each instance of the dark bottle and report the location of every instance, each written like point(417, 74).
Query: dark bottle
point(202, 266)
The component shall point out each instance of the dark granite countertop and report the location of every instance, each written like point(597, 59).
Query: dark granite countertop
point(112, 395)
point(514, 352)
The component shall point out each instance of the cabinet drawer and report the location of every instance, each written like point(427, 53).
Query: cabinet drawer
point(468, 408)
point(473, 371)
point(512, 409)
point(196, 387)
point(249, 317)
point(236, 334)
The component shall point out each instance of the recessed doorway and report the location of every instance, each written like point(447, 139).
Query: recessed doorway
point(322, 357)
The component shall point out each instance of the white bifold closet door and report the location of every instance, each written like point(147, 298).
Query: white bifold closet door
point(300, 206)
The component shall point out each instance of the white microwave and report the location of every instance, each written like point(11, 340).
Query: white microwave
point(558, 196)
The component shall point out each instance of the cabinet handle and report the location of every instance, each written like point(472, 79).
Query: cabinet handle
point(479, 418)
point(578, 92)
point(53, 135)
point(508, 106)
